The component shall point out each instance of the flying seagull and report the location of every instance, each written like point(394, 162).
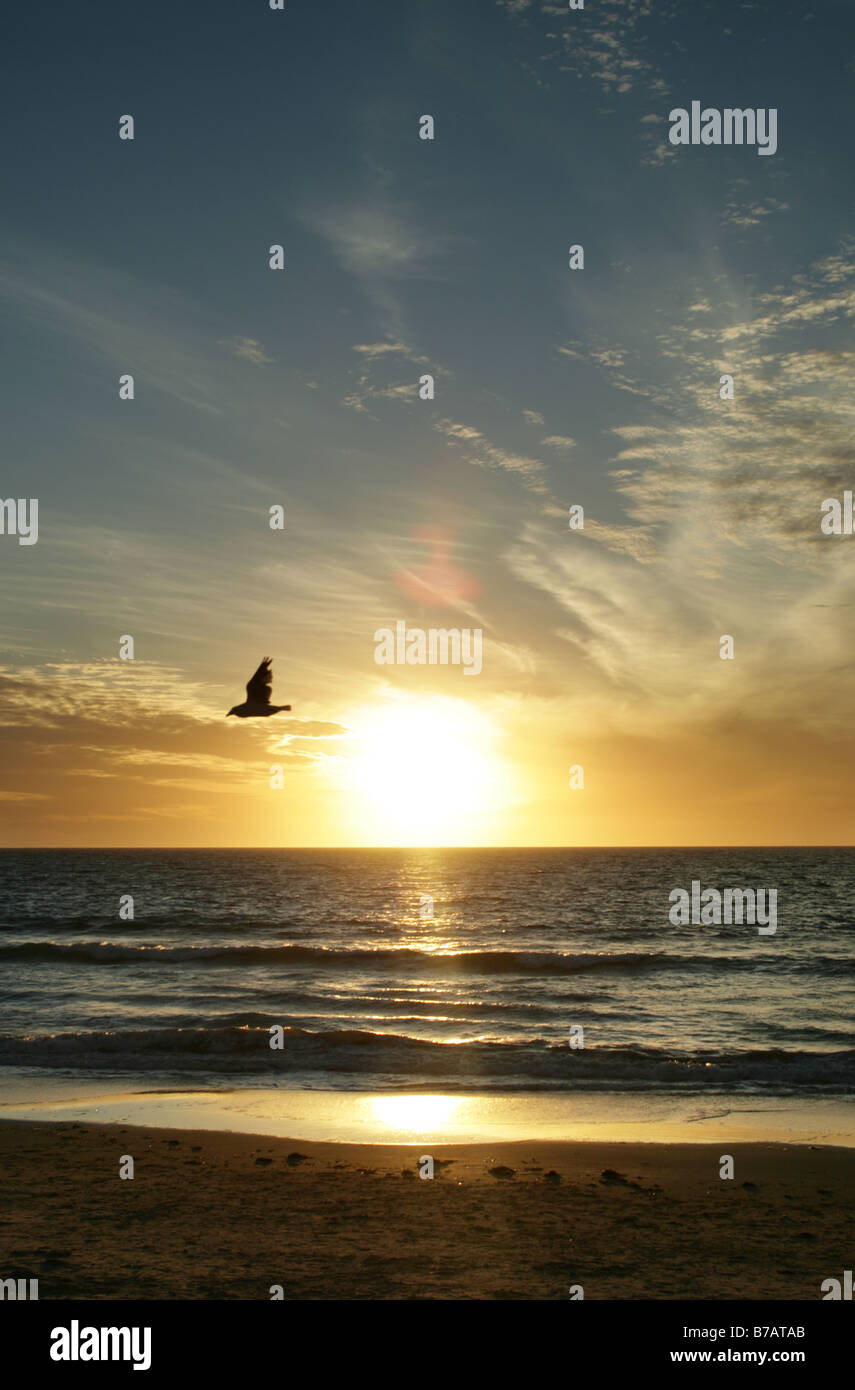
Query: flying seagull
point(257, 703)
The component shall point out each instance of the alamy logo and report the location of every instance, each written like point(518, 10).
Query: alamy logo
point(732, 126)
point(712, 908)
point(438, 646)
point(13, 519)
point(78, 1343)
point(17, 1289)
point(837, 519)
point(831, 1288)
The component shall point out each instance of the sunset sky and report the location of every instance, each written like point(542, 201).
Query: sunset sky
point(554, 387)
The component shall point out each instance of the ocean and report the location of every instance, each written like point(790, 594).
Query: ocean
point(462, 970)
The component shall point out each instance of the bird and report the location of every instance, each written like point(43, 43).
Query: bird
point(257, 703)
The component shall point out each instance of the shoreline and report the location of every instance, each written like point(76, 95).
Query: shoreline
point(436, 1116)
point(210, 1214)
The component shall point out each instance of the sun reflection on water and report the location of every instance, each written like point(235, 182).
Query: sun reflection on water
point(415, 1114)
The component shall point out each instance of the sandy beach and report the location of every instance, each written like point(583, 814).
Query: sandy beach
point(213, 1215)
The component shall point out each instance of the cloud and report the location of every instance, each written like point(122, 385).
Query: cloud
point(763, 463)
point(111, 692)
point(387, 245)
point(248, 348)
point(607, 357)
point(379, 241)
point(481, 453)
point(605, 44)
point(371, 351)
point(317, 728)
point(110, 317)
point(112, 742)
point(745, 209)
point(374, 383)
point(721, 508)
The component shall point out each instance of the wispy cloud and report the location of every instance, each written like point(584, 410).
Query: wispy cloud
point(722, 501)
point(380, 367)
point(114, 320)
point(606, 43)
point(248, 348)
point(483, 454)
point(559, 441)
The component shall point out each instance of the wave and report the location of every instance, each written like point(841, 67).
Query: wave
point(496, 962)
point(244, 1050)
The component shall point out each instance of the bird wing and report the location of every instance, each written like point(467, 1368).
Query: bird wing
point(261, 685)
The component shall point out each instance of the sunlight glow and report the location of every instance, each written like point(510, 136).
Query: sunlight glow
point(426, 772)
point(415, 1114)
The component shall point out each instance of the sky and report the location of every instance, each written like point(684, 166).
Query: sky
point(299, 388)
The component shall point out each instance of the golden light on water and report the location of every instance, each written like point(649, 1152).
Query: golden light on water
point(415, 1114)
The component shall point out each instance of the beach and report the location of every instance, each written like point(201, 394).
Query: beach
point(278, 1038)
point(219, 1215)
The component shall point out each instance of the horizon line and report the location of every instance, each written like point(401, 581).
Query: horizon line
point(278, 849)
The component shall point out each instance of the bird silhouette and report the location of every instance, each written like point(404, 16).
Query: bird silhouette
point(257, 703)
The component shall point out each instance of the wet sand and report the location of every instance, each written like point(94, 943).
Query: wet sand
point(214, 1215)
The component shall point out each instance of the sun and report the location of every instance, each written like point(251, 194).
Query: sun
point(426, 772)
